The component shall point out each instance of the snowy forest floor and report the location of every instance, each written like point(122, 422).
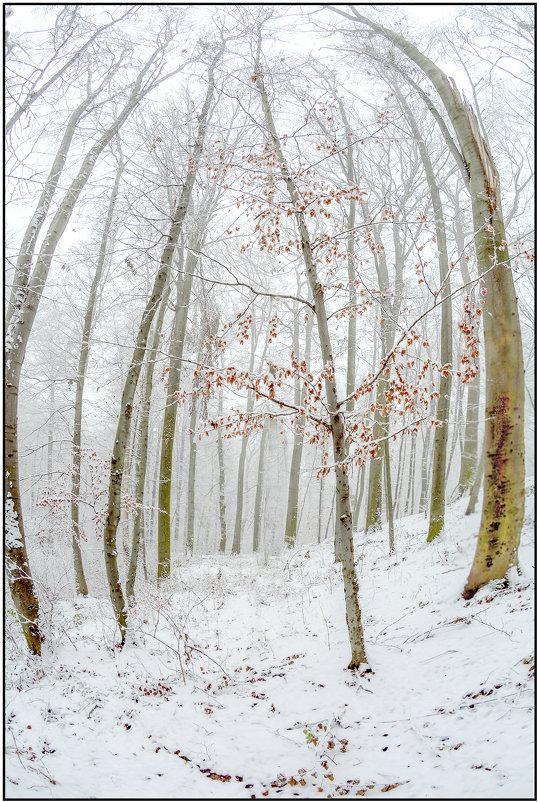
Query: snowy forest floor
point(236, 684)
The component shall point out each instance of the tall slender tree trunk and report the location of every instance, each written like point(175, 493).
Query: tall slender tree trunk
point(319, 518)
point(412, 477)
point(221, 468)
point(31, 235)
point(424, 487)
point(192, 473)
point(250, 402)
point(291, 521)
point(389, 507)
point(478, 478)
point(336, 422)
point(80, 580)
point(504, 487)
point(130, 386)
point(257, 518)
point(237, 537)
point(18, 333)
point(387, 336)
point(176, 350)
point(139, 537)
point(469, 452)
point(358, 497)
point(438, 485)
point(400, 475)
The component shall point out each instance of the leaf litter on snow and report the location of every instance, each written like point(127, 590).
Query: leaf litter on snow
point(233, 682)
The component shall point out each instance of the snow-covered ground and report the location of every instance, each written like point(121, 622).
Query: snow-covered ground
point(236, 682)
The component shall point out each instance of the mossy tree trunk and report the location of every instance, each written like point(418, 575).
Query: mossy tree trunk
point(138, 539)
point(176, 349)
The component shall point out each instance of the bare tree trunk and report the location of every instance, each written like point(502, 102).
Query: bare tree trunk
point(291, 522)
point(458, 415)
point(259, 492)
point(237, 536)
point(192, 468)
point(389, 507)
point(319, 519)
point(139, 538)
point(400, 474)
point(30, 237)
point(469, 453)
point(221, 466)
point(80, 580)
point(176, 350)
point(18, 333)
point(344, 536)
point(130, 386)
point(478, 478)
point(504, 490)
point(358, 497)
point(387, 335)
point(438, 485)
point(409, 507)
point(422, 506)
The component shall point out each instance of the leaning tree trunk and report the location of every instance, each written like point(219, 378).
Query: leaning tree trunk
point(130, 386)
point(30, 237)
point(17, 336)
point(80, 580)
point(336, 422)
point(504, 463)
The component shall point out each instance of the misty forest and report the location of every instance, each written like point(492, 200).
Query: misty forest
point(269, 401)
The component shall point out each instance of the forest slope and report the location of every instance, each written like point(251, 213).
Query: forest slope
point(267, 707)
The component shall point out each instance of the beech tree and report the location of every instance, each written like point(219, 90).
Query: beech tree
point(254, 323)
point(130, 386)
point(503, 504)
point(29, 285)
